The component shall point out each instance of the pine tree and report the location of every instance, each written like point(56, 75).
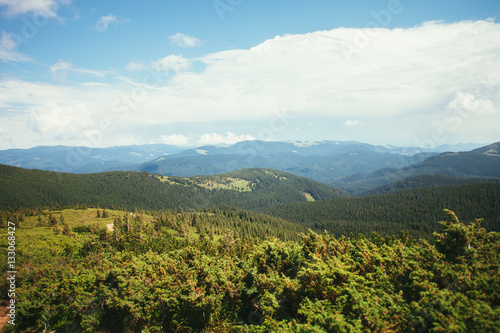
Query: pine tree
point(67, 231)
point(57, 230)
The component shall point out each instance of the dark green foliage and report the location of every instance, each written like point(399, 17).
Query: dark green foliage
point(426, 181)
point(412, 210)
point(123, 281)
point(35, 188)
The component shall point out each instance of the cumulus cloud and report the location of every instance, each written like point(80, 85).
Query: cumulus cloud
point(468, 104)
point(62, 122)
point(175, 139)
point(229, 138)
point(8, 52)
point(183, 40)
point(409, 77)
point(35, 110)
point(172, 62)
point(48, 8)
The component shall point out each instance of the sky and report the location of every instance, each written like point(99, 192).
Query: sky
point(211, 72)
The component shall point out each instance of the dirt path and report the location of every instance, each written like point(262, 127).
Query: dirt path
point(3, 315)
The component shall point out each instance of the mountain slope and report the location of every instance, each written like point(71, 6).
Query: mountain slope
point(490, 150)
point(483, 162)
point(426, 181)
point(34, 188)
point(413, 210)
point(258, 188)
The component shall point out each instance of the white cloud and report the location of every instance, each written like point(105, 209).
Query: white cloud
point(352, 123)
point(229, 138)
point(467, 104)
point(62, 122)
point(173, 62)
point(60, 70)
point(183, 40)
point(175, 139)
point(104, 22)
point(39, 110)
point(48, 8)
point(8, 52)
point(135, 66)
point(95, 84)
point(401, 82)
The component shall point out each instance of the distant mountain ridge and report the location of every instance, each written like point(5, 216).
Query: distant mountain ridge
point(352, 166)
point(482, 162)
point(84, 159)
point(320, 161)
point(89, 160)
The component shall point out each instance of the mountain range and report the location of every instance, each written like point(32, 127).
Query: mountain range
point(353, 167)
point(483, 162)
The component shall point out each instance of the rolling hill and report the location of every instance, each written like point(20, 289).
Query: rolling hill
point(426, 181)
point(247, 189)
point(415, 210)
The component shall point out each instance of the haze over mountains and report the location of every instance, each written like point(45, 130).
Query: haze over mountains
point(354, 167)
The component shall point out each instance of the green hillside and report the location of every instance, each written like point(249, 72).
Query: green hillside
point(258, 188)
point(170, 272)
point(410, 210)
point(426, 181)
point(246, 189)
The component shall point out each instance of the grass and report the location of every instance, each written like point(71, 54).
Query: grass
point(218, 183)
point(233, 184)
point(308, 196)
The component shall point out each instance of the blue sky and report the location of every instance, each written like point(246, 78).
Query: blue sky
point(104, 73)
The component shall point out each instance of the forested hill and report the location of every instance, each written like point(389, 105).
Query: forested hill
point(427, 181)
point(413, 210)
point(246, 189)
